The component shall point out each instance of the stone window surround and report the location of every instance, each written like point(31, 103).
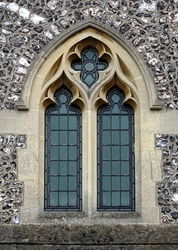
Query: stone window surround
point(42, 87)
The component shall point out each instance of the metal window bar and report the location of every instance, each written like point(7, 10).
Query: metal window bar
point(116, 177)
point(63, 128)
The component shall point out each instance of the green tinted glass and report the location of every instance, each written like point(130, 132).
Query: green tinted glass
point(63, 154)
point(115, 154)
point(89, 65)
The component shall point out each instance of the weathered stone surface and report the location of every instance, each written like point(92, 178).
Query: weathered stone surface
point(98, 247)
point(29, 29)
point(92, 235)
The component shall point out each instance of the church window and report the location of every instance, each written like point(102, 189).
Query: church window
point(63, 154)
point(115, 154)
point(89, 133)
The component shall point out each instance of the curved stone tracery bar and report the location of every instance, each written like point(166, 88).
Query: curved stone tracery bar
point(28, 29)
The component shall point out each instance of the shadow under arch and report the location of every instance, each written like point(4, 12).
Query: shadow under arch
point(154, 103)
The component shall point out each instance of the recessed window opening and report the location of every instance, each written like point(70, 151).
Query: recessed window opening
point(115, 140)
point(63, 154)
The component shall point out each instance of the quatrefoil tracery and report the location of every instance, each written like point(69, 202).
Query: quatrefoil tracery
point(89, 65)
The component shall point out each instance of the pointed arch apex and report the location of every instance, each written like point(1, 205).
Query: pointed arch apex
point(122, 60)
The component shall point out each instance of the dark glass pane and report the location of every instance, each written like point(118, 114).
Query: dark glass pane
point(115, 168)
point(115, 199)
point(54, 183)
point(115, 137)
point(115, 122)
point(72, 168)
point(124, 138)
point(63, 99)
point(72, 183)
point(73, 122)
point(106, 199)
point(63, 110)
point(63, 199)
point(72, 138)
point(106, 153)
point(63, 137)
point(54, 152)
point(124, 152)
point(125, 182)
point(63, 154)
point(63, 168)
point(115, 154)
point(77, 66)
point(125, 168)
point(115, 98)
point(72, 153)
point(54, 168)
point(54, 122)
point(53, 198)
point(124, 122)
point(106, 168)
point(106, 138)
point(106, 122)
point(106, 183)
point(54, 137)
point(63, 122)
point(63, 183)
point(72, 199)
point(89, 65)
point(125, 199)
point(116, 183)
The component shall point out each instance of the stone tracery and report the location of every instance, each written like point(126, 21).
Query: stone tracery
point(28, 29)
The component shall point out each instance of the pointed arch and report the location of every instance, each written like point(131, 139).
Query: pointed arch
point(121, 71)
point(128, 59)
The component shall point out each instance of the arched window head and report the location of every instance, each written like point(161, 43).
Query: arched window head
point(116, 154)
point(89, 65)
point(63, 154)
point(88, 121)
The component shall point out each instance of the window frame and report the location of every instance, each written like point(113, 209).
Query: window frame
point(55, 77)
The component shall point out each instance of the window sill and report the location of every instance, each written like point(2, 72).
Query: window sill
point(95, 216)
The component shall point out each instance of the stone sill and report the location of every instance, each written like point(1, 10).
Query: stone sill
point(95, 216)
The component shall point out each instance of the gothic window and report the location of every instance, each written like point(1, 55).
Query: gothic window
point(115, 153)
point(63, 154)
point(89, 130)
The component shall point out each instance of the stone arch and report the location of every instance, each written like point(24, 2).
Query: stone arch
point(103, 31)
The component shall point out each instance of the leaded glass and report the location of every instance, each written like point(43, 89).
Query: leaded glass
point(115, 154)
point(63, 154)
point(89, 65)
